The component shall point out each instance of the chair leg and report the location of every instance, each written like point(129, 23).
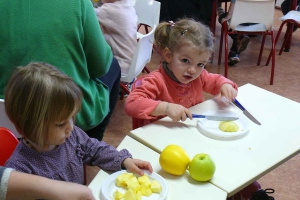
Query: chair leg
point(287, 36)
point(226, 50)
point(276, 40)
point(125, 90)
point(273, 59)
point(146, 70)
point(221, 46)
point(261, 50)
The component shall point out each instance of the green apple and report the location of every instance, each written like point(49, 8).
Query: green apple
point(202, 167)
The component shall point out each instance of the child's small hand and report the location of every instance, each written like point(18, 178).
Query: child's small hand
point(227, 91)
point(178, 113)
point(135, 166)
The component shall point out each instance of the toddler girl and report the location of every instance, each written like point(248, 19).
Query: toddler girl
point(42, 103)
point(186, 47)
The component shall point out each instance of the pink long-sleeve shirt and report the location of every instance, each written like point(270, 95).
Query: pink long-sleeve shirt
point(158, 86)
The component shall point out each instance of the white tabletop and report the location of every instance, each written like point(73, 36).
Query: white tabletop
point(180, 187)
point(240, 161)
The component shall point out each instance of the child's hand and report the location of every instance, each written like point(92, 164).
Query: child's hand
point(227, 91)
point(178, 113)
point(135, 166)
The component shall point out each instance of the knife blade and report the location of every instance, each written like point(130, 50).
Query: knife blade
point(246, 112)
point(215, 118)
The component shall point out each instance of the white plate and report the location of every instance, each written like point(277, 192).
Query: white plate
point(109, 186)
point(211, 129)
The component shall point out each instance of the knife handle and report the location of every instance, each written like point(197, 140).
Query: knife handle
point(198, 116)
point(238, 104)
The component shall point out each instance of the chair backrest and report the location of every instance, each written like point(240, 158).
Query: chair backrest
point(148, 12)
point(141, 56)
point(8, 143)
point(5, 121)
point(253, 11)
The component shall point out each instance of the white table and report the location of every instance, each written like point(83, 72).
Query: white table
point(241, 161)
point(180, 187)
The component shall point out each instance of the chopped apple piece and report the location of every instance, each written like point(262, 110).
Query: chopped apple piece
point(122, 178)
point(144, 180)
point(129, 195)
point(118, 195)
point(155, 186)
point(138, 195)
point(145, 189)
point(134, 186)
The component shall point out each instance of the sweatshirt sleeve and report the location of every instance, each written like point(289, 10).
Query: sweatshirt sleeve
point(212, 83)
point(141, 102)
point(98, 153)
point(4, 177)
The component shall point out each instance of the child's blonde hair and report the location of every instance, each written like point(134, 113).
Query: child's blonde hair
point(38, 95)
point(172, 35)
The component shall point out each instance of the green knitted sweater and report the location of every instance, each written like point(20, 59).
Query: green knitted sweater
point(64, 33)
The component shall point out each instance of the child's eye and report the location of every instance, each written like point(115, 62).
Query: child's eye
point(60, 125)
point(201, 65)
point(185, 61)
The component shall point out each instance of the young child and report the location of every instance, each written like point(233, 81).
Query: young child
point(42, 103)
point(118, 21)
point(186, 47)
point(239, 43)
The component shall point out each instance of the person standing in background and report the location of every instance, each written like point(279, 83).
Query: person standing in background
point(67, 35)
point(118, 22)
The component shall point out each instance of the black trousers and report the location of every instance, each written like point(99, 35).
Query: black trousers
point(172, 10)
point(286, 5)
point(112, 80)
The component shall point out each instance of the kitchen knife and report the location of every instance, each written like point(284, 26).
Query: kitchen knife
point(246, 112)
point(215, 118)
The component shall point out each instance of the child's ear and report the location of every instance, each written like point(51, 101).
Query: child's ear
point(167, 55)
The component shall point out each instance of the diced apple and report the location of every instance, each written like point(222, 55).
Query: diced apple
point(122, 178)
point(145, 189)
point(155, 187)
point(138, 195)
point(144, 180)
point(134, 186)
point(118, 195)
point(129, 195)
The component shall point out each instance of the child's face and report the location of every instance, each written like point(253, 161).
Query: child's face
point(187, 62)
point(60, 131)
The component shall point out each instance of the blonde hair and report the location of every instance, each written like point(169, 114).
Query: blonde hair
point(38, 95)
point(172, 35)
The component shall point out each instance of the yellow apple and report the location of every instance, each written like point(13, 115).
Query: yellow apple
point(174, 160)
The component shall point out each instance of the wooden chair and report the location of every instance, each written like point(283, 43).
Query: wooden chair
point(260, 12)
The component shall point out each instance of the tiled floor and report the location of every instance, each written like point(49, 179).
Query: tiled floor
point(285, 178)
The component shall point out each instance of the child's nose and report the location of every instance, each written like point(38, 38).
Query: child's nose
point(70, 126)
point(191, 70)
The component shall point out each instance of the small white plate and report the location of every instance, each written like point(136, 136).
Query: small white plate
point(211, 129)
point(109, 186)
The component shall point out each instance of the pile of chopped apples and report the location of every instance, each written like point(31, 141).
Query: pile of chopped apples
point(135, 187)
point(228, 126)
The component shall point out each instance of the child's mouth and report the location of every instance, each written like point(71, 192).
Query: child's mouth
point(186, 77)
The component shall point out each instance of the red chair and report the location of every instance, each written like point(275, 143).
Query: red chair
point(8, 143)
